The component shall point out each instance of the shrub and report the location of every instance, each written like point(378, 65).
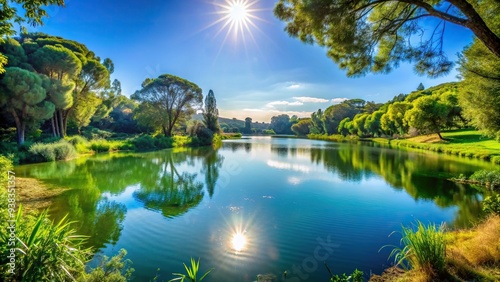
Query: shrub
point(203, 137)
point(356, 276)
point(47, 251)
point(269, 131)
point(76, 139)
point(5, 165)
point(489, 178)
point(424, 249)
point(491, 204)
point(163, 142)
point(61, 150)
point(143, 143)
point(100, 145)
point(115, 269)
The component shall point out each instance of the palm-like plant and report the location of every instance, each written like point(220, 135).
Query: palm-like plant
point(191, 272)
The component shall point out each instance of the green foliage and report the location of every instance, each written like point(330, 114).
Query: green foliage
point(376, 36)
point(393, 120)
point(281, 124)
point(149, 143)
point(33, 14)
point(491, 204)
point(183, 96)
point(24, 98)
point(5, 165)
point(428, 115)
point(269, 132)
point(490, 178)
point(211, 113)
point(61, 150)
point(356, 276)
point(114, 269)
point(424, 249)
point(479, 95)
point(45, 250)
point(191, 272)
point(301, 128)
point(335, 114)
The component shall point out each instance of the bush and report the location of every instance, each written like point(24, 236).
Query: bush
point(490, 178)
point(424, 249)
point(269, 131)
point(204, 137)
point(115, 269)
point(76, 139)
point(491, 204)
point(61, 150)
point(5, 165)
point(143, 143)
point(100, 145)
point(47, 251)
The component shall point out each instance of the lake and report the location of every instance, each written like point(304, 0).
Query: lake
point(259, 205)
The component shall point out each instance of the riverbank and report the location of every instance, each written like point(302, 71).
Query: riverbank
point(471, 255)
point(34, 195)
point(464, 143)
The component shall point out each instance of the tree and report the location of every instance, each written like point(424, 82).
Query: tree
point(428, 115)
point(478, 95)
point(248, 125)
point(33, 15)
point(334, 114)
point(393, 121)
point(61, 65)
point(211, 113)
point(168, 99)
point(301, 128)
point(317, 123)
point(376, 35)
point(281, 124)
point(420, 87)
point(23, 96)
point(345, 126)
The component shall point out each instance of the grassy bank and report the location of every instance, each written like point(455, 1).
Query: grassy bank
point(74, 146)
point(464, 143)
point(470, 255)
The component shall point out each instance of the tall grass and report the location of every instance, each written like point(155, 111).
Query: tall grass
point(191, 272)
point(45, 251)
point(60, 150)
point(424, 249)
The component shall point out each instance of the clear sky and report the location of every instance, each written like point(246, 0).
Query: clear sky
point(256, 72)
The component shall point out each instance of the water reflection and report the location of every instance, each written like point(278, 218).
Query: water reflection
point(238, 241)
point(168, 182)
point(421, 175)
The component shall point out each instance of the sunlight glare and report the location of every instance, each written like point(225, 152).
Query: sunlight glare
point(238, 12)
point(239, 241)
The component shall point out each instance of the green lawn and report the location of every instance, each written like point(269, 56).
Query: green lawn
point(465, 143)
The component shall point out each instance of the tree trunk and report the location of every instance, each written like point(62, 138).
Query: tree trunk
point(20, 134)
point(439, 134)
point(56, 122)
point(165, 132)
point(63, 124)
point(53, 127)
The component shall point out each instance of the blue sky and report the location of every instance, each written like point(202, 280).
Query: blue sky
point(258, 73)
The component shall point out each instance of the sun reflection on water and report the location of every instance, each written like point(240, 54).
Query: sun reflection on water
point(238, 241)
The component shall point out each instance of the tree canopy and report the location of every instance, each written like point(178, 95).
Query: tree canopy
point(211, 113)
point(168, 99)
point(377, 35)
point(33, 15)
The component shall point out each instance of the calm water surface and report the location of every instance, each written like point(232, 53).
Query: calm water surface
point(259, 205)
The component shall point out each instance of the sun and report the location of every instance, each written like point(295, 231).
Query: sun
point(237, 17)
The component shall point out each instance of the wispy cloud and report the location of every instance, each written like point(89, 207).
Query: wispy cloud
point(339, 100)
point(283, 103)
point(304, 99)
point(294, 86)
